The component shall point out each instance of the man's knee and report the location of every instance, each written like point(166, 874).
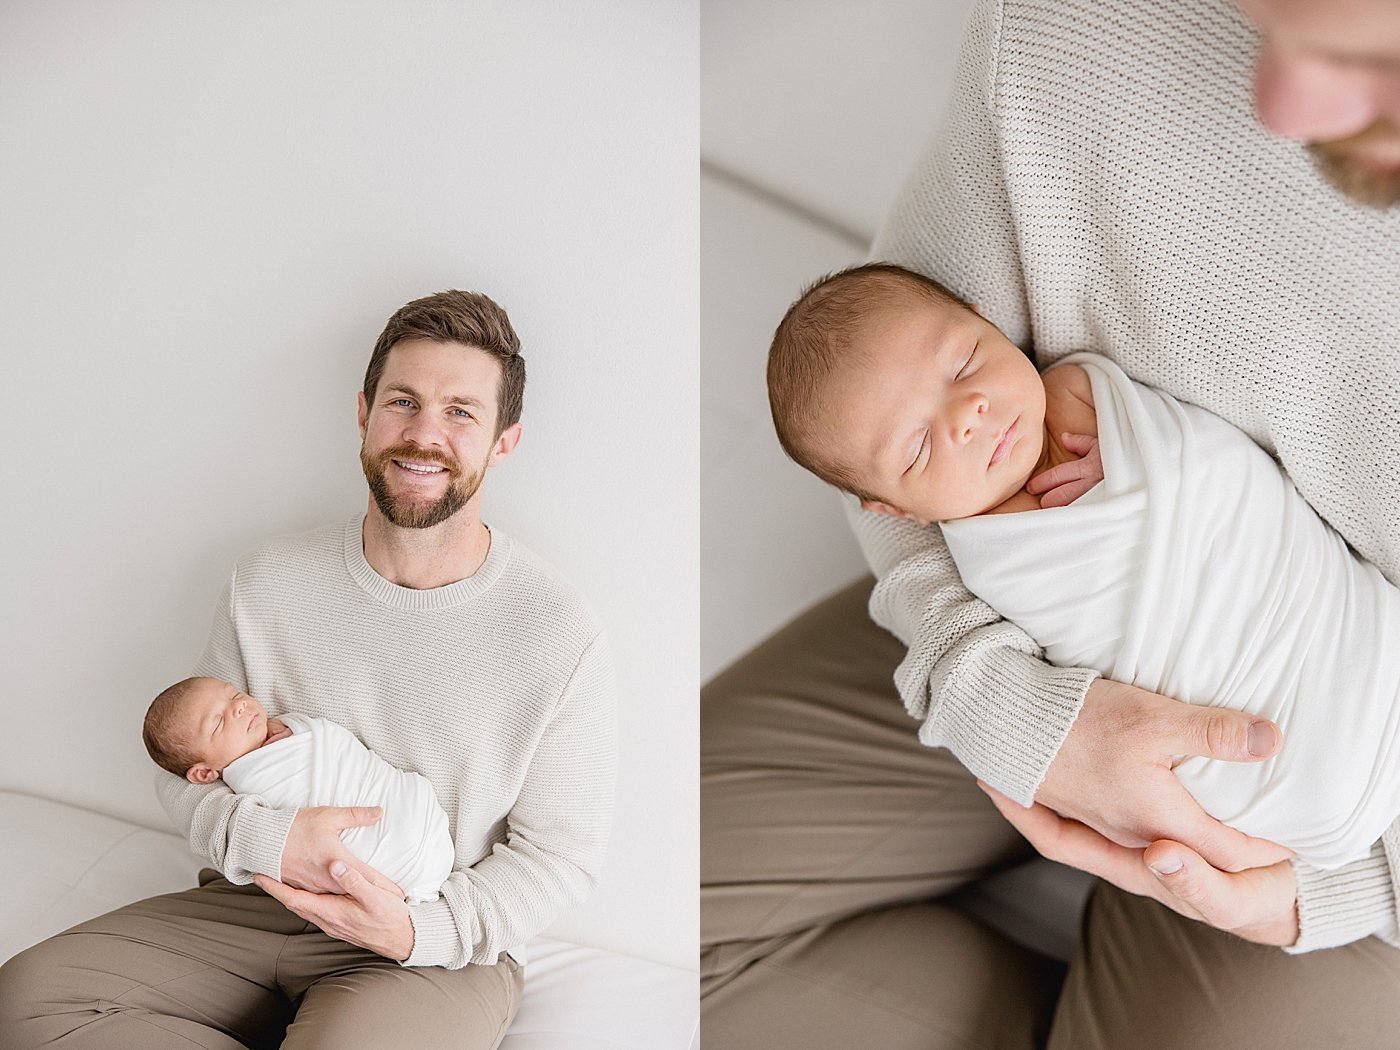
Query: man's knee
point(37, 987)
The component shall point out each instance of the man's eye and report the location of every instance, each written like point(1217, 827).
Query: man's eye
point(462, 412)
point(405, 402)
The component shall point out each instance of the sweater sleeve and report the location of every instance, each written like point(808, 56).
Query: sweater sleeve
point(1346, 904)
point(556, 835)
point(241, 835)
point(975, 681)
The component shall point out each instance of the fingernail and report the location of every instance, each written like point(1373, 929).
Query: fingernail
point(1166, 866)
point(1263, 737)
point(338, 868)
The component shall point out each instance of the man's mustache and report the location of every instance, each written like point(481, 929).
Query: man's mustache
point(418, 455)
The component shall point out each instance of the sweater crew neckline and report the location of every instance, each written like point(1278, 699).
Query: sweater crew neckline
point(395, 596)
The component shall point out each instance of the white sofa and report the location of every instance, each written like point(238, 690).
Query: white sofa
point(65, 864)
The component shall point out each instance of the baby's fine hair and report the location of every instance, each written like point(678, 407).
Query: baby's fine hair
point(159, 730)
point(815, 336)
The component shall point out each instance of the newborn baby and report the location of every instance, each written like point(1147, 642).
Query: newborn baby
point(203, 729)
point(1193, 568)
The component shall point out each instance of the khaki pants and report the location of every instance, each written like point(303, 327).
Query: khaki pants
point(829, 836)
point(226, 967)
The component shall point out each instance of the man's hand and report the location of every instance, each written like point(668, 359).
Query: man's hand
point(1060, 486)
point(367, 915)
point(1258, 904)
point(314, 844)
point(1114, 772)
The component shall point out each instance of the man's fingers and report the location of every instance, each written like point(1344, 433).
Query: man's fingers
point(368, 874)
point(293, 899)
point(354, 881)
point(359, 816)
point(1078, 845)
point(1209, 893)
point(1234, 736)
point(1219, 844)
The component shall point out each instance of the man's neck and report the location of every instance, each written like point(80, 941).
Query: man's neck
point(426, 558)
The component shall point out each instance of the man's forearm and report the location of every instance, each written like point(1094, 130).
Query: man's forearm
point(235, 833)
point(975, 682)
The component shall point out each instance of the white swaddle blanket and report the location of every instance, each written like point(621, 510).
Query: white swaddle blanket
point(323, 764)
point(1196, 570)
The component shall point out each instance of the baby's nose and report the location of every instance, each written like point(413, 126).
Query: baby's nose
point(973, 411)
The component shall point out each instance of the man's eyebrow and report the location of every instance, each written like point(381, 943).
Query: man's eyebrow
point(454, 399)
point(465, 399)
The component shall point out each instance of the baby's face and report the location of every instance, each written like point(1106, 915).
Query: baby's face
point(220, 723)
point(939, 415)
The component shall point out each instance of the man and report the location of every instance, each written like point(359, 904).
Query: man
point(1100, 183)
point(448, 649)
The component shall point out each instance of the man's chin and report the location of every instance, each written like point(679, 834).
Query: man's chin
point(419, 516)
point(1366, 184)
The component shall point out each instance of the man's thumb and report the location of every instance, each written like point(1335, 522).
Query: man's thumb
point(1235, 736)
point(366, 815)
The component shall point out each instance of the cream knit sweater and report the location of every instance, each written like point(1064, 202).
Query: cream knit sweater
point(496, 688)
point(1100, 182)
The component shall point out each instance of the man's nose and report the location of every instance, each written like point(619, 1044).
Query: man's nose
point(1314, 99)
point(423, 430)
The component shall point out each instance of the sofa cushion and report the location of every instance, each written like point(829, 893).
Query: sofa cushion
point(66, 865)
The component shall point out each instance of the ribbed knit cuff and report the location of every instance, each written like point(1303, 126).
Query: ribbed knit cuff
point(256, 839)
point(435, 934)
point(1344, 905)
point(1004, 714)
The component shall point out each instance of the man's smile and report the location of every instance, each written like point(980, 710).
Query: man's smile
point(422, 469)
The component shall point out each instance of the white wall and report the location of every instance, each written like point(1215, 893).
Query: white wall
point(826, 102)
point(812, 114)
point(208, 213)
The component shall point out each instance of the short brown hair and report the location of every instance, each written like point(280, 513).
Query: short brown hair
point(469, 318)
point(814, 336)
point(164, 743)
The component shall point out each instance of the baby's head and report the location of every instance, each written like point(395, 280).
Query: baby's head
point(197, 727)
point(888, 386)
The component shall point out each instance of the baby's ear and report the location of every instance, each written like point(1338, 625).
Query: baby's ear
point(201, 774)
point(884, 508)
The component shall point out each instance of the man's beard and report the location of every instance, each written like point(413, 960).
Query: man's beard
point(408, 514)
point(1362, 183)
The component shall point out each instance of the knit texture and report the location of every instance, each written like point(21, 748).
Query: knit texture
point(1100, 183)
point(497, 689)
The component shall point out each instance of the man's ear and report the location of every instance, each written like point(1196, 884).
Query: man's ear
point(202, 773)
point(505, 444)
point(363, 413)
point(884, 508)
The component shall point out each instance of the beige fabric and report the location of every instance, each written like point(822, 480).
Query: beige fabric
point(829, 835)
point(497, 689)
point(224, 967)
point(1100, 182)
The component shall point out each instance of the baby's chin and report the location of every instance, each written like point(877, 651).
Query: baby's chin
point(275, 731)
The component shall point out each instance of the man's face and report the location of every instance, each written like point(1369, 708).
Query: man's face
point(430, 435)
point(1329, 74)
point(943, 417)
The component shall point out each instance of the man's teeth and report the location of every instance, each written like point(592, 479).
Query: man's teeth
point(419, 469)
